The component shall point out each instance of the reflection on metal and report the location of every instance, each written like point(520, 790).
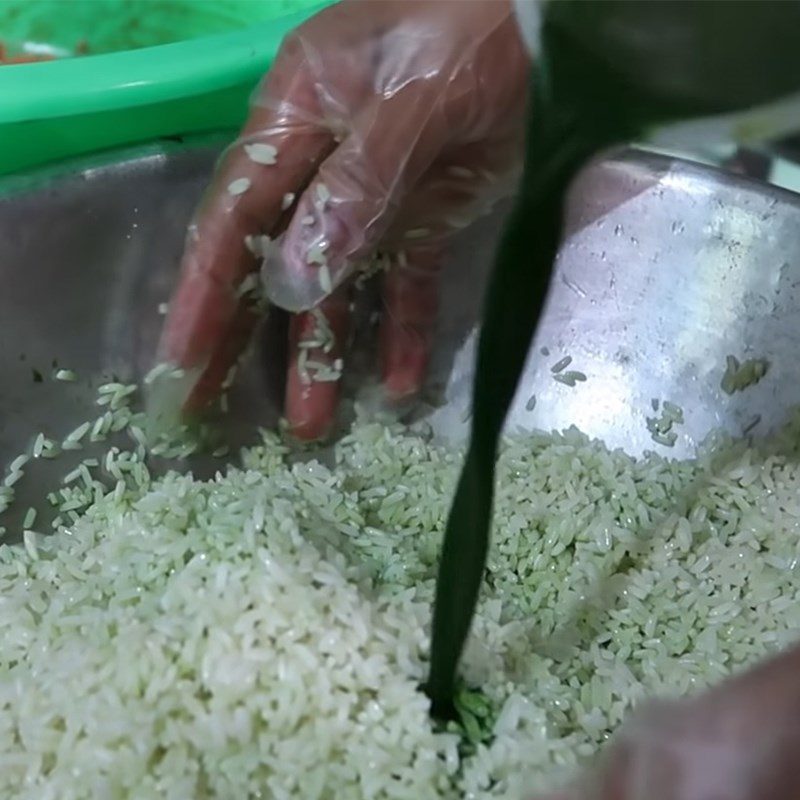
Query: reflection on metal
point(680, 265)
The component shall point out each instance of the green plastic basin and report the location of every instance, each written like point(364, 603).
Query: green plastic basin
point(154, 69)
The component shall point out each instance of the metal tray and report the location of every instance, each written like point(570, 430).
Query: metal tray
point(666, 268)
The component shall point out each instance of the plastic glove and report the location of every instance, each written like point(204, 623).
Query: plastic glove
point(388, 124)
point(738, 741)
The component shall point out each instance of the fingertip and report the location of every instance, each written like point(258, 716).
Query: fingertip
point(199, 312)
point(214, 379)
point(411, 295)
point(313, 385)
point(405, 361)
point(310, 430)
point(310, 407)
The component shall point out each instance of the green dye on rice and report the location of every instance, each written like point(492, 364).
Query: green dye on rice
point(13, 478)
point(30, 518)
point(79, 432)
point(569, 378)
point(738, 377)
point(18, 463)
point(561, 365)
point(661, 427)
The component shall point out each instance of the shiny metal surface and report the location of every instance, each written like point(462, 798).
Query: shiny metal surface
point(666, 268)
point(87, 257)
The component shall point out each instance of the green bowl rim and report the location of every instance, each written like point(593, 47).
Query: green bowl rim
point(130, 78)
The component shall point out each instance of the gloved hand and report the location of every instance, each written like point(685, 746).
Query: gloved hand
point(738, 741)
point(385, 124)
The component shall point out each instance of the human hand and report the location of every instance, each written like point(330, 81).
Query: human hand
point(738, 741)
point(385, 124)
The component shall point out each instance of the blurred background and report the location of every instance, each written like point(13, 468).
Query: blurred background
point(86, 75)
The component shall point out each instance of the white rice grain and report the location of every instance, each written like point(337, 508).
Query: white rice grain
point(260, 153)
point(238, 186)
point(325, 282)
point(272, 622)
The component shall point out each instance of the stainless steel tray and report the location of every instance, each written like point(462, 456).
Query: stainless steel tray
point(666, 268)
